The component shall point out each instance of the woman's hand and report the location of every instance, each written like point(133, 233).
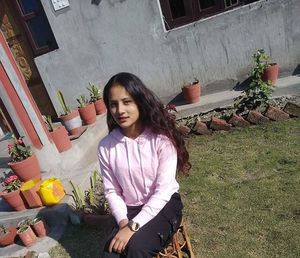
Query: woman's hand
point(119, 242)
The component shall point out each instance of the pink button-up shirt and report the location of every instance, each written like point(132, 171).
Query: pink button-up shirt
point(137, 172)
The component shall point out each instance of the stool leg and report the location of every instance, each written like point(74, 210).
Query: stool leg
point(189, 246)
point(177, 246)
point(176, 243)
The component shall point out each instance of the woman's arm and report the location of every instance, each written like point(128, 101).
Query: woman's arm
point(112, 189)
point(165, 184)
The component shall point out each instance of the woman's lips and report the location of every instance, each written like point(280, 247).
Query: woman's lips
point(123, 119)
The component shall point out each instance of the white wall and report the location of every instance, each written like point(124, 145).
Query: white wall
point(97, 41)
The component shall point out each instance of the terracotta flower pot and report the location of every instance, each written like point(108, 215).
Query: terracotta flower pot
point(271, 73)
point(29, 191)
point(14, 200)
point(191, 93)
point(72, 122)
point(27, 236)
point(26, 169)
point(61, 139)
point(100, 106)
point(9, 237)
point(88, 114)
point(40, 227)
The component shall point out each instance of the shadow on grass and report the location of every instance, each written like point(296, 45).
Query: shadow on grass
point(82, 241)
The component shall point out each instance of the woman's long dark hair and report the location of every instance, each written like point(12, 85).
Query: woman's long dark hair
point(153, 115)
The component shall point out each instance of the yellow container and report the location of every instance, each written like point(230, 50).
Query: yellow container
point(51, 191)
point(29, 184)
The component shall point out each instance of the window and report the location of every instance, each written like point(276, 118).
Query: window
point(37, 28)
point(180, 12)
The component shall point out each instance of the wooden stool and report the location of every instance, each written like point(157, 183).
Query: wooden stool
point(180, 244)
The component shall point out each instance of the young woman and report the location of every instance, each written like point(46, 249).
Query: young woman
point(139, 159)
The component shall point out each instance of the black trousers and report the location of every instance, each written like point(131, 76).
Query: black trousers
point(152, 237)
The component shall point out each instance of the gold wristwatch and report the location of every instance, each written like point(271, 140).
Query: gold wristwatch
point(133, 226)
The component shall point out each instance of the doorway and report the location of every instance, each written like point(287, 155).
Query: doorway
point(17, 20)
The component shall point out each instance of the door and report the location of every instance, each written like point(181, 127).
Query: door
point(19, 44)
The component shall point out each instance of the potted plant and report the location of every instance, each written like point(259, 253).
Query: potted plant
point(40, 227)
point(259, 91)
point(90, 205)
point(11, 193)
point(23, 162)
point(264, 66)
point(7, 235)
point(96, 206)
point(79, 204)
point(96, 98)
point(70, 119)
point(29, 191)
point(26, 233)
point(192, 91)
point(59, 135)
point(86, 110)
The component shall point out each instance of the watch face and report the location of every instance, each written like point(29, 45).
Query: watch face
point(133, 226)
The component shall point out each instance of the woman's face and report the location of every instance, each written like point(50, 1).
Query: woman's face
point(124, 110)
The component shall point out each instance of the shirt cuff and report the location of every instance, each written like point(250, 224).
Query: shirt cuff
point(120, 215)
point(142, 218)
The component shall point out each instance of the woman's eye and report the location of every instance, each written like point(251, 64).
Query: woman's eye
point(126, 102)
point(112, 105)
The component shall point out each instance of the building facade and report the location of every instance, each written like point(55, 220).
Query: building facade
point(64, 45)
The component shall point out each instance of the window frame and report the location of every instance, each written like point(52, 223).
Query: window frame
point(24, 18)
point(193, 12)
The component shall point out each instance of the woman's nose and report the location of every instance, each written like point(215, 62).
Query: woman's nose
point(121, 109)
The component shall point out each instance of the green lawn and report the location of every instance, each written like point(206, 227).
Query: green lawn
point(242, 198)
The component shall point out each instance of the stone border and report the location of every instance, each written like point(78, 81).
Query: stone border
point(226, 119)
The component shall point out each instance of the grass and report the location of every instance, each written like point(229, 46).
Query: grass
point(242, 198)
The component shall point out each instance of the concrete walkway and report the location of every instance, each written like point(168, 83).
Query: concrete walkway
point(78, 162)
point(285, 86)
